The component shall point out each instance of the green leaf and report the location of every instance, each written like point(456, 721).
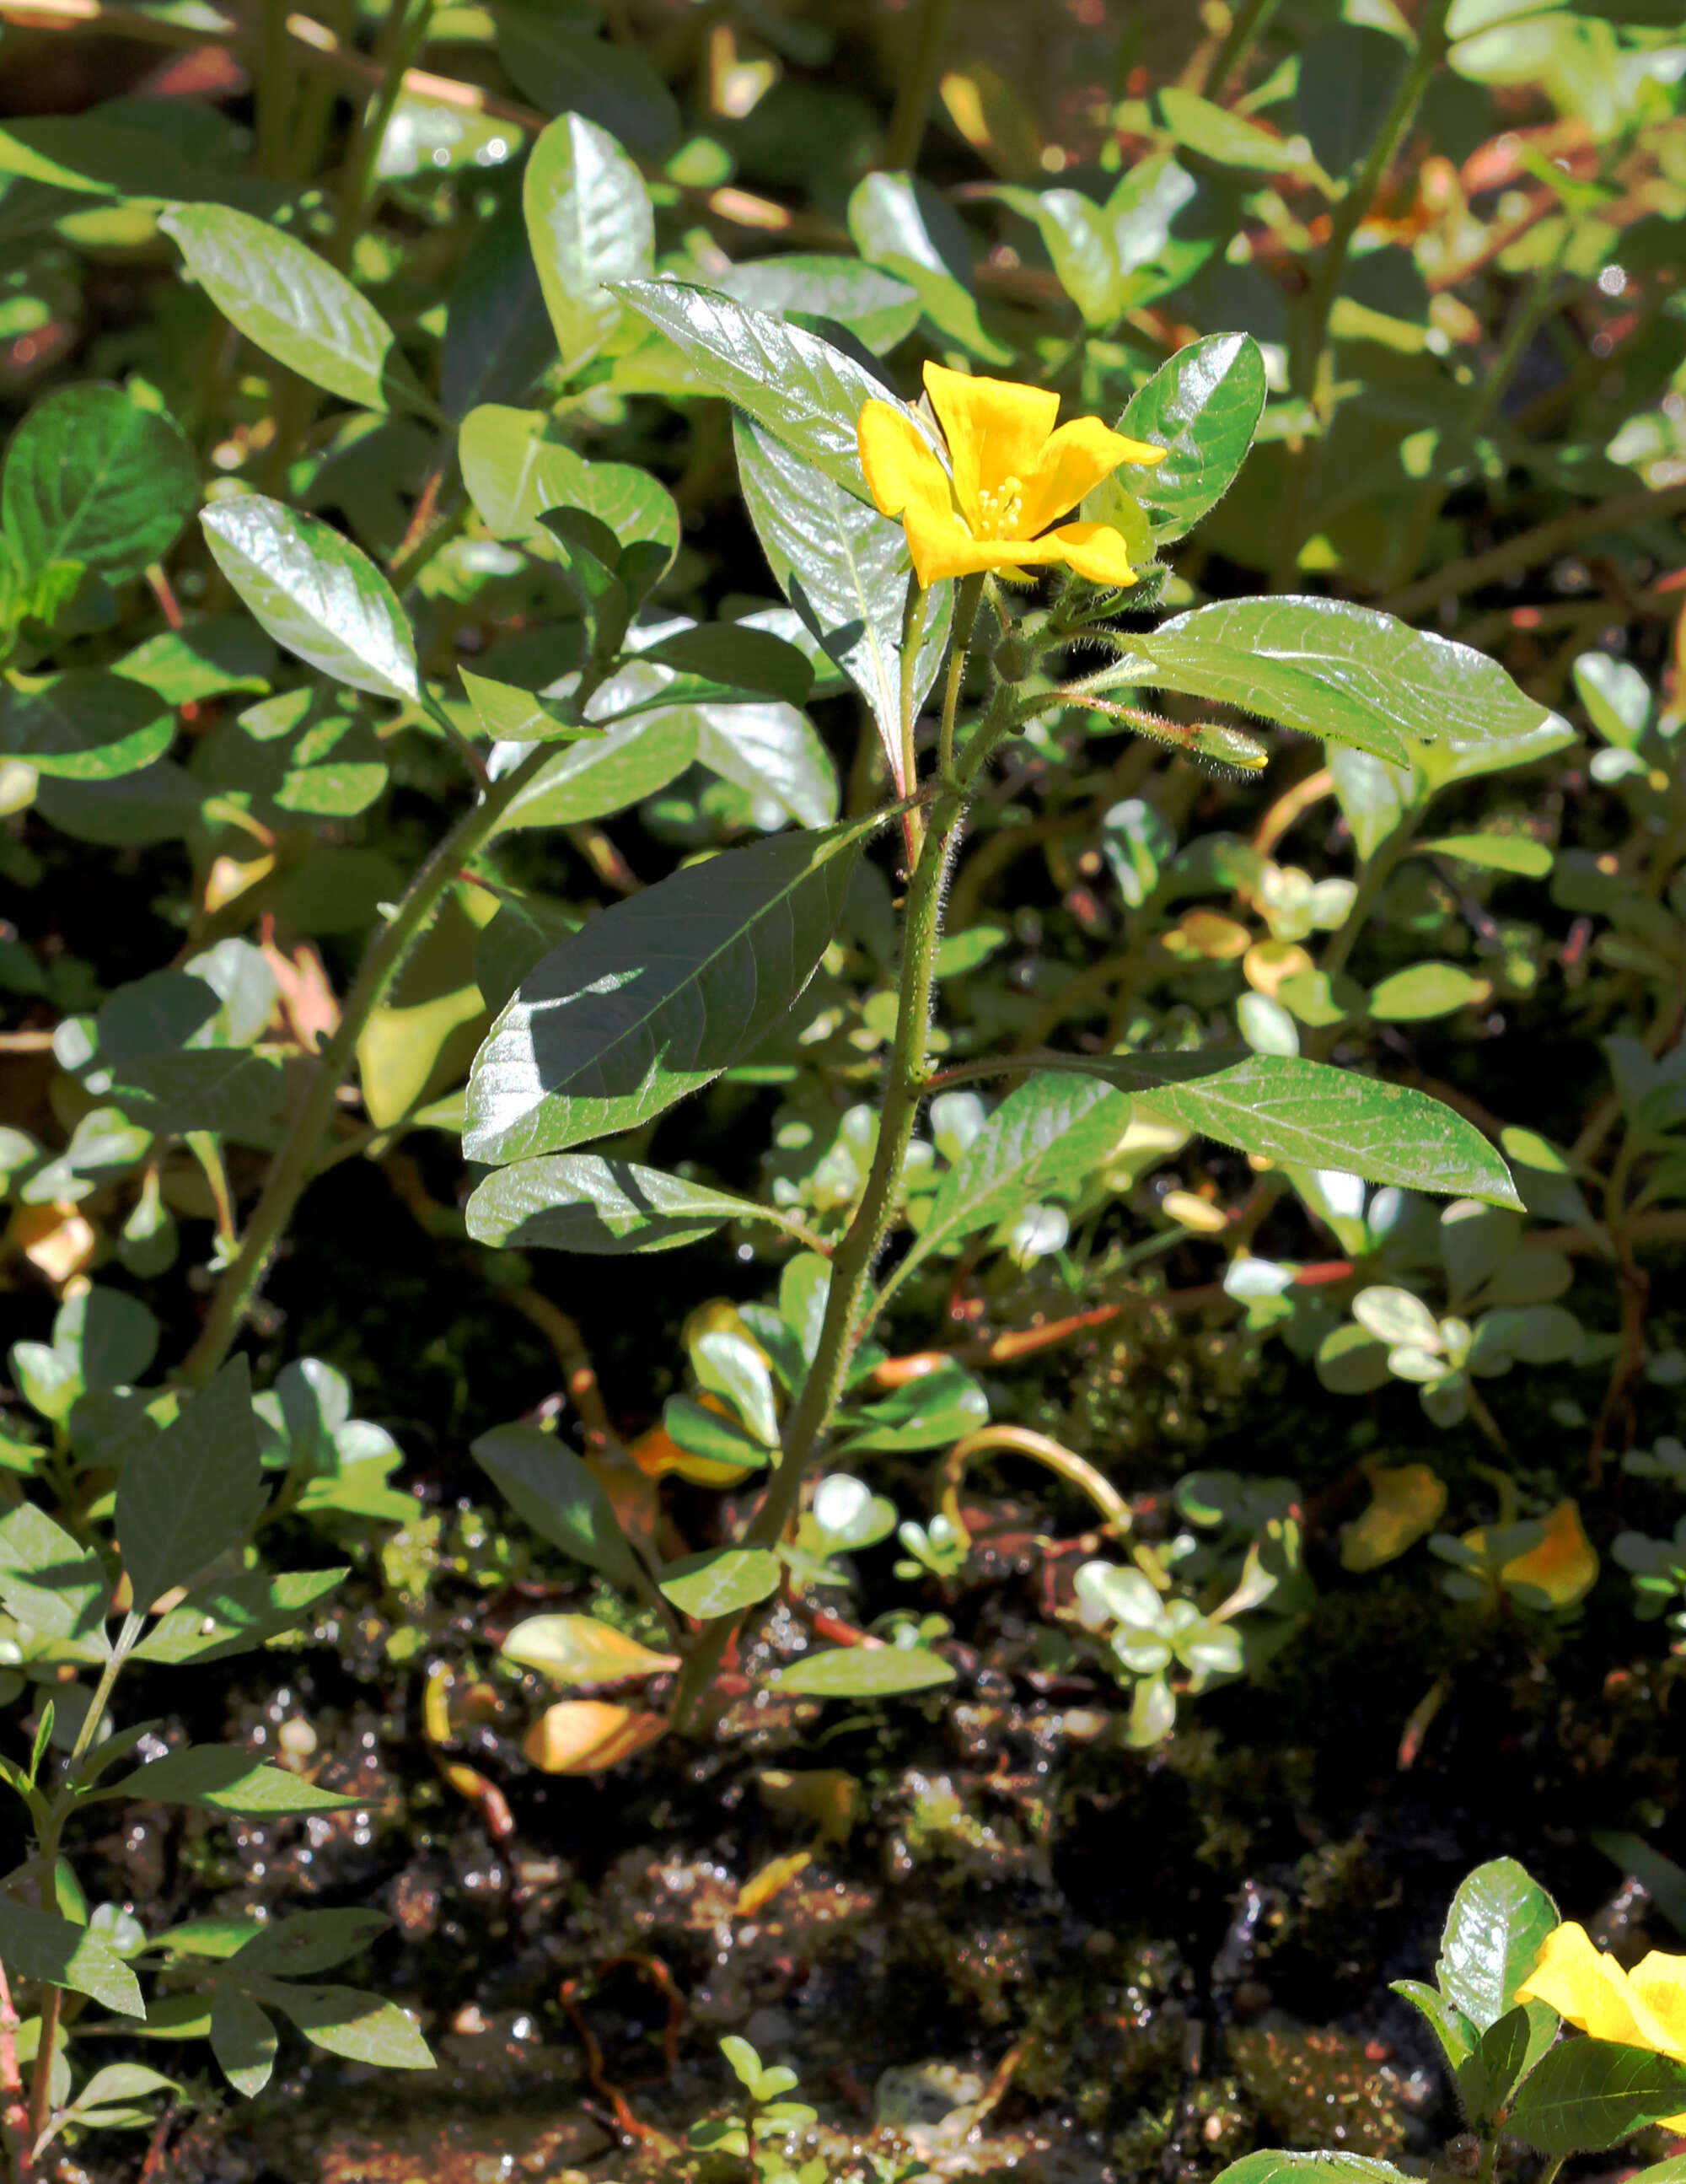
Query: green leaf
point(1043, 1141)
point(497, 336)
point(42, 1946)
point(902, 224)
point(774, 753)
point(929, 1413)
point(293, 305)
point(1268, 2166)
point(91, 477)
point(843, 568)
point(1307, 1114)
point(1227, 139)
point(518, 716)
point(514, 472)
point(712, 1435)
point(582, 1202)
point(1341, 672)
point(1080, 238)
point(347, 2022)
point(78, 152)
point(85, 726)
point(1424, 991)
point(190, 1494)
point(233, 1615)
point(864, 1672)
point(548, 1486)
point(315, 592)
point(590, 224)
point(726, 652)
point(1494, 853)
point(243, 2040)
point(1454, 2031)
point(229, 1090)
point(1588, 2095)
point(1204, 405)
point(1505, 2054)
point(222, 1778)
point(806, 392)
point(727, 1364)
point(308, 1941)
point(207, 659)
point(878, 309)
point(1498, 1923)
point(658, 996)
point(54, 1590)
point(607, 773)
point(723, 1581)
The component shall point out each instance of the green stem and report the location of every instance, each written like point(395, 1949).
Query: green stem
point(913, 634)
point(917, 87)
point(295, 1162)
point(402, 37)
point(966, 618)
point(1250, 24)
point(1373, 876)
point(852, 1261)
point(275, 92)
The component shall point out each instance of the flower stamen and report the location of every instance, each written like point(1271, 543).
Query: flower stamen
point(1000, 513)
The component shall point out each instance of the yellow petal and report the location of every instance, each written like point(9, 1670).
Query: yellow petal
point(995, 431)
point(1072, 462)
point(903, 473)
point(1592, 1990)
point(941, 546)
point(1660, 1982)
point(1095, 551)
point(1563, 1566)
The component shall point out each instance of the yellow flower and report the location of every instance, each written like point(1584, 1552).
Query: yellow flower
point(1645, 2008)
point(1014, 477)
point(1563, 1567)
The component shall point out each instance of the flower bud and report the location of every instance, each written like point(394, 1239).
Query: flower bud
point(1013, 658)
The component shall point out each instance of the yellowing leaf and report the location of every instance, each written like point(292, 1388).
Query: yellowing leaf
point(1407, 1501)
point(1208, 933)
point(1269, 962)
point(656, 1453)
point(579, 1649)
point(1563, 1566)
point(761, 1887)
point(585, 1737)
point(56, 1239)
point(827, 1798)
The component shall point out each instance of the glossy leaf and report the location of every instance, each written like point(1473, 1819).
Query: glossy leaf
point(1499, 1920)
point(518, 716)
point(1587, 2095)
point(726, 652)
point(658, 996)
point(551, 1488)
point(315, 592)
point(710, 1431)
point(806, 392)
point(190, 1495)
point(723, 1581)
point(774, 754)
point(607, 773)
point(583, 1202)
point(222, 1778)
point(91, 477)
point(579, 1649)
point(864, 1672)
point(347, 2022)
point(932, 1412)
point(85, 726)
point(903, 224)
point(42, 1946)
point(1043, 1141)
point(498, 332)
point(1342, 672)
point(555, 60)
point(514, 471)
point(1203, 406)
point(1505, 2054)
point(589, 223)
point(866, 301)
point(1451, 2028)
point(1307, 1114)
point(293, 305)
point(843, 568)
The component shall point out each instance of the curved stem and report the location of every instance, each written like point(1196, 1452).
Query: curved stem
point(295, 1161)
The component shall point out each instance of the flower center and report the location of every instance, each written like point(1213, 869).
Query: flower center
point(1000, 513)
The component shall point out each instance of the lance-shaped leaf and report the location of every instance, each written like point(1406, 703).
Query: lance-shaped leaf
point(722, 1581)
point(347, 2022)
point(903, 225)
point(806, 392)
point(1041, 1142)
point(589, 222)
point(498, 335)
point(1203, 406)
point(1307, 1114)
point(1586, 2095)
point(294, 305)
point(222, 1778)
point(189, 1494)
point(865, 1672)
point(582, 1202)
point(546, 1483)
point(315, 592)
point(91, 477)
point(42, 1946)
point(579, 1649)
point(1342, 672)
point(658, 996)
point(844, 569)
point(233, 1615)
point(243, 2040)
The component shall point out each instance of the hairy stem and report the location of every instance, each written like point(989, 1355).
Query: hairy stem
point(295, 1161)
